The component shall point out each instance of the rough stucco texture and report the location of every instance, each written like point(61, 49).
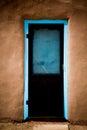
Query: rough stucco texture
point(12, 15)
point(78, 66)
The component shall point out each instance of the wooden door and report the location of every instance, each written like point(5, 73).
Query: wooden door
point(46, 70)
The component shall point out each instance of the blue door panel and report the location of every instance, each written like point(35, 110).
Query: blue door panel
point(46, 51)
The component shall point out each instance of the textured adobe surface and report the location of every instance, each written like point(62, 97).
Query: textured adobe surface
point(78, 66)
point(41, 126)
point(34, 126)
point(12, 15)
point(77, 127)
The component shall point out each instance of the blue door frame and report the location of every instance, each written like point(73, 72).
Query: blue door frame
point(26, 51)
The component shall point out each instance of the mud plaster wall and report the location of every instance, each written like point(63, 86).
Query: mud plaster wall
point(12, 15)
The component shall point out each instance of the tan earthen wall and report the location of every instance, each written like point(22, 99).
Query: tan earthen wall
point(12, 15)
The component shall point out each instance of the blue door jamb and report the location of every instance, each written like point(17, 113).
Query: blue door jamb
point(26, 51)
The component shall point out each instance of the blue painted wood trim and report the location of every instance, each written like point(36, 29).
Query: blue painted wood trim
point(26, 51)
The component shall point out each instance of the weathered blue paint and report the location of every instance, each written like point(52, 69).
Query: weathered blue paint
point(25, 70)
point(26, 51)
point(66, 71)
point(46, 22)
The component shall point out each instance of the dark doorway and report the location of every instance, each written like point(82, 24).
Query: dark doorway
point(46, 97)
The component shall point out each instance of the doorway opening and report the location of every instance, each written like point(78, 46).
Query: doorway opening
point(45, 92)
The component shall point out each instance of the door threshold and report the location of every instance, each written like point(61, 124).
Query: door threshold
point(48, 118)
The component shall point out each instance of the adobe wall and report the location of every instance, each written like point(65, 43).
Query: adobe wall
point(12, 15)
